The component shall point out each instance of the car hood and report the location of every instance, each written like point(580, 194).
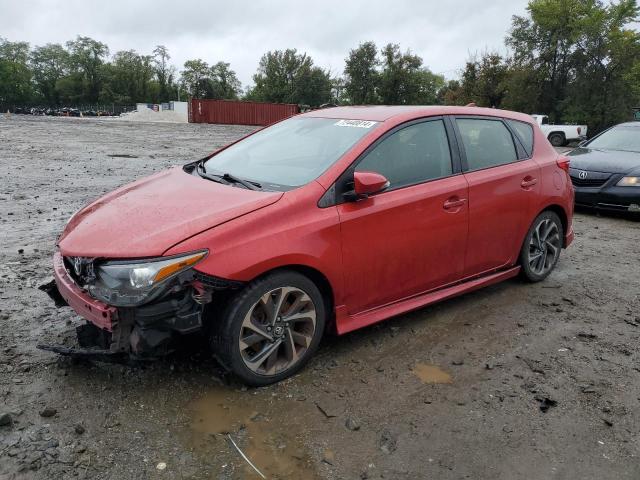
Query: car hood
point(147, 217)
point(610, 161)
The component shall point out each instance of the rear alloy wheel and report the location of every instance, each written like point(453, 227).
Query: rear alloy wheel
point(557, 139)
point(541, 248)
point(271, 329)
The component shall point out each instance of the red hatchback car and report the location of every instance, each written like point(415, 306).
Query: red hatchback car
point(330, 220)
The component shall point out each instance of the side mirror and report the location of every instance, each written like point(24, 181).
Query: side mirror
point(365, 184)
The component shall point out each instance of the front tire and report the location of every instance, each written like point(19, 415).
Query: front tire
point(541, 247)
point(270, 329)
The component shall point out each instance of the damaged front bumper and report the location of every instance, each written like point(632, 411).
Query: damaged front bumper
point(96, 312)
point(116, 333)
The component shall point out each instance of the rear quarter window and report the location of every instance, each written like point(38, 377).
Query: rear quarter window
point(524, 132)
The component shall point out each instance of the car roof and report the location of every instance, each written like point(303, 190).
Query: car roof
point(382, 113)
point(628, 124)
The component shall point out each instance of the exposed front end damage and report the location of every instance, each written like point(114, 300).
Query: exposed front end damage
point(145, 331)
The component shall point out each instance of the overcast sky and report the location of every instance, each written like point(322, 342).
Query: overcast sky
point(444, 33)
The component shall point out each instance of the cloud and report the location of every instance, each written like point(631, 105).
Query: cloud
point(444, 34)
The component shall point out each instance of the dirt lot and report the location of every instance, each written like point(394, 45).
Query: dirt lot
point(512, 382)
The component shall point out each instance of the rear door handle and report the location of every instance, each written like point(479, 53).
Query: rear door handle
point(454, 202)
point(528, 182)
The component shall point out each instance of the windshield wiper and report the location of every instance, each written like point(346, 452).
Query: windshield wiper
point(228, 179)
point(214, 178)
point(246, 183)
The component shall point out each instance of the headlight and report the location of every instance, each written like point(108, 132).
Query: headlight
point(629, 182)
point(132, 283)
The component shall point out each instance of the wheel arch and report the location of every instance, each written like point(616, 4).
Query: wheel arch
point(560, 211)
point(318, 278)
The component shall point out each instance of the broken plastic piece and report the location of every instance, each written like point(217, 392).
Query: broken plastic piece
point(51, 289)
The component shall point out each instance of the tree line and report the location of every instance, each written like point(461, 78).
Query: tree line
point(575, 60)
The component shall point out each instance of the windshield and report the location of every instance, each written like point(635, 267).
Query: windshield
point(618, 138)
point(290, 153)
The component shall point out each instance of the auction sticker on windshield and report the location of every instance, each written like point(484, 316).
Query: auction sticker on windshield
point(355, 123)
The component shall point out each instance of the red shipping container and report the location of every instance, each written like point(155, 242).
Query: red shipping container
point(239, 113)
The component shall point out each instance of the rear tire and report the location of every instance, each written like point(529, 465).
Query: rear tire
point(270, 329)
point(557, 139)
point(541, 247)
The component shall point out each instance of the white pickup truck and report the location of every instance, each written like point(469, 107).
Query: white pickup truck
point(560, 135)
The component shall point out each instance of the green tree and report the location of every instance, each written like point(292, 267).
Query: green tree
point(361, 74)
point(17, 52)
point(163, 71)
point(404, 81)
point(128, 78)
point(338, 91)
point(633, 79)
point(194, 78)
point(450, 94)
point(605, 58)
point(224, 83)
point(521, 86)
point(87, 58)
point(313, 86)
point(289, 77)
point(15, 74)
point(484, 81)
point(70, 89)
point(578, 56)
point(121, 78)
point(217, 82)
point(469, 82)
point(491, 80)
point(544, 42)
point(429, 84)
point(49, 63)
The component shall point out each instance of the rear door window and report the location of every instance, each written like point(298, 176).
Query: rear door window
point(487, 143)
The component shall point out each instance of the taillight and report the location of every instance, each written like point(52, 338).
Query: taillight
point(579, 130)
point(563, 163)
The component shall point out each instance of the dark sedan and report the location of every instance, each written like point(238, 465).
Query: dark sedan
point(605, 171)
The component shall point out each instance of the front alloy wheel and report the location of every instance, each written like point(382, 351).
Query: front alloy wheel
point(270, 329)
point(277, 330)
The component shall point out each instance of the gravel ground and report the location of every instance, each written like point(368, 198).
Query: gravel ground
point(515, 381)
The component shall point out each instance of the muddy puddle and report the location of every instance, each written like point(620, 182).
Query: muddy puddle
point(264, 429)
point(431, 374)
